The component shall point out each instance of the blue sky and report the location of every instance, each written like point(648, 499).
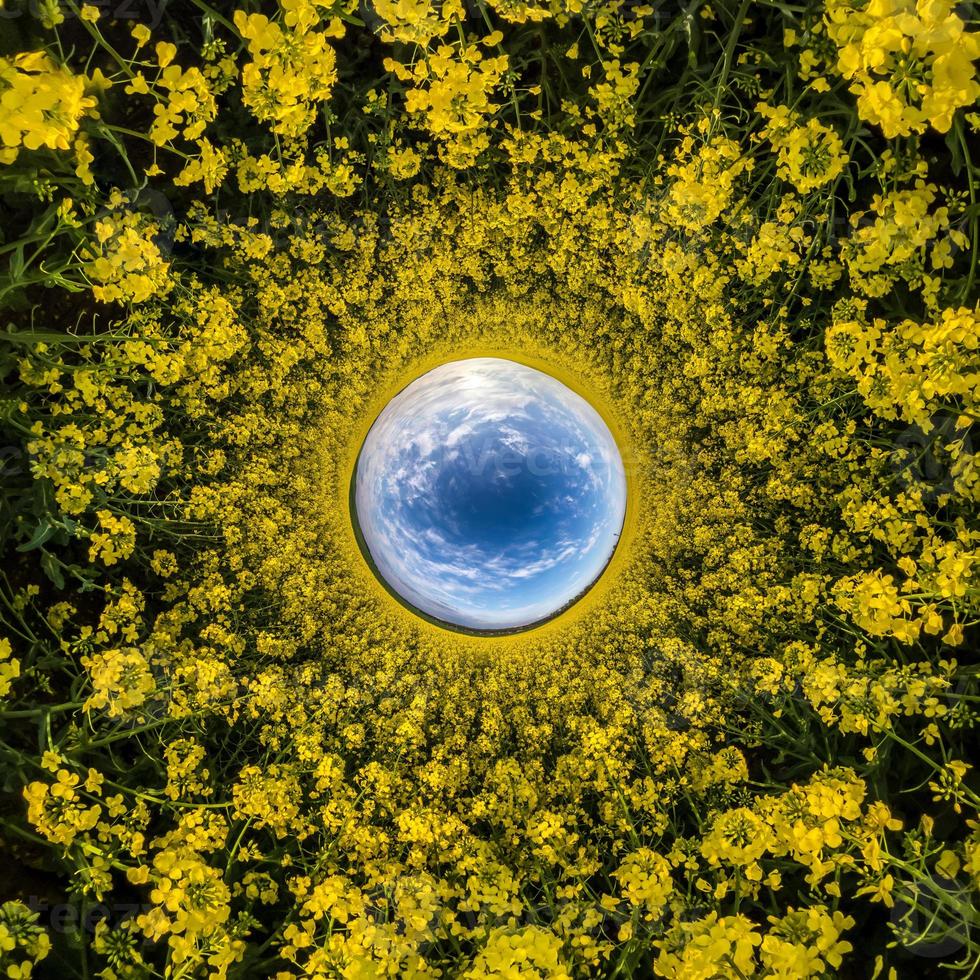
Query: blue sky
point(489, 494)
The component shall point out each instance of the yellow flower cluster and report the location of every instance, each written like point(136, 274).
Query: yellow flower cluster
point(532, 952)
point(125, 262)
point(58, 810)
point(645, 880)
point(452, 88)
point(293, 66)
point(614, 96)
point(912, 370)
point(809, 154)
point(9, 667)
point(41, 104)
point(191, 907)
point(801, 944)
point(23, 943)
point(114, 540)
point(777, 247)
point(907, 240)
point(121, 680)
point(209, 167)
point(910, 62)
point(183, 101)
point(703, 181)
point(416, 21)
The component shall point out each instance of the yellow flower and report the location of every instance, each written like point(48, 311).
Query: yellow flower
point(209, 168)
point(910, 63)
point(165, 52)
point(809, 153)
point(9, 667)
point(115, 540)
point(708, 947)
point(42, 105)
point(738, 837)
point(644, 877)
point(531, 953)
point(121, 680)
point(291, 70)
point(452, 90)
point(126, 264)
point(141, 34)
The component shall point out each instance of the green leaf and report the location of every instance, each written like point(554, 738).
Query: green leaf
point(52, 568)
point(955, 152)
point(43, 532)
point(16, 264)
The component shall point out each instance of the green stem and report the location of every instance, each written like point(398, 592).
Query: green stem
point(726, 61)
point(966, 292)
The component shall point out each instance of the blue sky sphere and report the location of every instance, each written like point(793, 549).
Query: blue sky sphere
point(489, 494)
